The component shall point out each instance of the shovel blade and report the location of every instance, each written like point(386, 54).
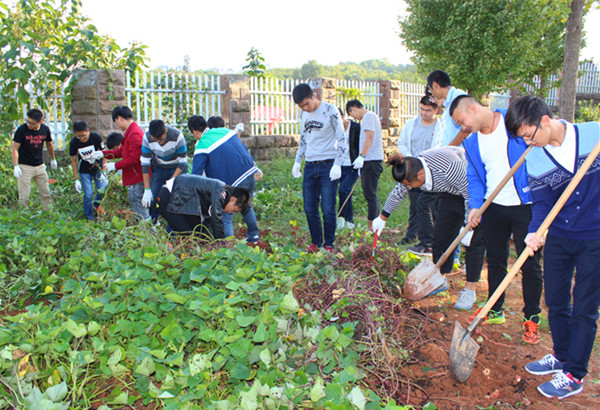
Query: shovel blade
point(463, 352)
point(422, 280)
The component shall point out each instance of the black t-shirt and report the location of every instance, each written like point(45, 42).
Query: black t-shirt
point(84, 149)
point(32, 144)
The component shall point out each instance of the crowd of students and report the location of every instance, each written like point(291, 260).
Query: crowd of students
point(447, 167)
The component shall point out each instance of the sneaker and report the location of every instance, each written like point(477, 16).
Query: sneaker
point(562, 385)
point(329, 249)
point(350, 225)
point(420, 250)
point(441, 288)
point(312, 248)
point(546, 365)
point(531, 331)
point(341, 222)
point(465, 301)
point(100, 211)
point(492, 318)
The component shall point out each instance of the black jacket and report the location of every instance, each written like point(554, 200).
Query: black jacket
point(354, 140)
point(201, 196)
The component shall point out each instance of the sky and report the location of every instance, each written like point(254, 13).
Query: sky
point(217, 34)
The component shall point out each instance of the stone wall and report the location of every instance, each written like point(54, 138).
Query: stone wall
point(95, 94)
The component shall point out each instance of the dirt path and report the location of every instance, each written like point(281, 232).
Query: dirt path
point(499, 378)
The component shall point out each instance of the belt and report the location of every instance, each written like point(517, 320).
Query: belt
point(325, 161)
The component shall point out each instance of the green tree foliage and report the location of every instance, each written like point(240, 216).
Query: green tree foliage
point(255, 66)
point(487, 45)
point(369, 70)
point(42, 42)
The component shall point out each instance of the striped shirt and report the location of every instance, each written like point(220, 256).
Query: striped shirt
point(448, 168)
point(171, 154)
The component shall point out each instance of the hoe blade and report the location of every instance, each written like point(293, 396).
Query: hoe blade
point(463, 352)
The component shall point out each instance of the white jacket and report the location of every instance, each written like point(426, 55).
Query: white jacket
point(404, 144)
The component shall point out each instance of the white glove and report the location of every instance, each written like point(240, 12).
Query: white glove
point(96, 155)
point(17, 172)
point(258, 175)
point(239, 127)
point(296, 170)
point(147, 198)
point(359, 162)
point(53, 164)
point(466, 240)
point(78, 186)
point(336, 172)
point(110, 166)
point(378, 225)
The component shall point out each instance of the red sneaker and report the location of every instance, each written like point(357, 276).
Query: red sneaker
point(312, 248)
point(329, 249)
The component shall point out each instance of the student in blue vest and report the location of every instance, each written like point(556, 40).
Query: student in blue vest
point(220, 154)
point(572, 242)
point(491, 152)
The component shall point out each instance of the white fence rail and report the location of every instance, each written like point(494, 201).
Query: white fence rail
point(368, 94)
point(410, 96)
point(172, 97)
point(272, 109)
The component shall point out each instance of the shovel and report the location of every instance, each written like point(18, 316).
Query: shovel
point(426, 277)
point(463, 349)
point(347, 198)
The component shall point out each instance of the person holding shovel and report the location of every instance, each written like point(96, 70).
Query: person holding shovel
point(442, 170)
point(491, 151)
point(573, 239)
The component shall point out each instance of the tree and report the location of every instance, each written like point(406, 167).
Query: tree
point(486, 45)
point(568, 89)
point(312, 69)
point(41, 43)
point(255, 66)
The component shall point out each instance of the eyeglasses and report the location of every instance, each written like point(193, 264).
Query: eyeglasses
point(526, 138)
point(32, 123)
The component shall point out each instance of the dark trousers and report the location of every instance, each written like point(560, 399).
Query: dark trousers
point(160, 175)
point(573, 322)
point(370, 173)
point(349, 177)
point(498, 223)
point(178, 222)
point(449, 219)
point(420, 220)
point(318, 187)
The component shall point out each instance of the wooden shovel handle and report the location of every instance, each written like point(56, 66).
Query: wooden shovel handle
point(541, 232)
point(485, 206)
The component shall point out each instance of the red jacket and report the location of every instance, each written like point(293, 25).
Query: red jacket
point(130, 151)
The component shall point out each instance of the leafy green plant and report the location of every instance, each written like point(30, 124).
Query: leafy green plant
point(255, 64)
point(587, 111)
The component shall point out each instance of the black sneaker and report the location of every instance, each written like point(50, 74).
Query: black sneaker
point(420, 250)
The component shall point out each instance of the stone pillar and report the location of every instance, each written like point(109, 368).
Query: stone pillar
point(235, 106)
point(389, 104)
point(324, 89)
point(95, 94)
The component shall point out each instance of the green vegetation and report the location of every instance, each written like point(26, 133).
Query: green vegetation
point(587, 111)
point(103, 314)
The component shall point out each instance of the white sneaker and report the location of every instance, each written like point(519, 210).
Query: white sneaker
point(340, 223)
point(466, 299)
point(350, 225)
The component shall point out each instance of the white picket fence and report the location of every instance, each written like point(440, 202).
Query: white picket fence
point(410, 97)
point(273, 112)
point(172, 97)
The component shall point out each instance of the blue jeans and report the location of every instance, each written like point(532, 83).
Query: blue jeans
point(101, 183)
point(252, 234)
point(317, 187)
point(135, 193)
point(159, 177)
point(572, 310)
point(349, 177)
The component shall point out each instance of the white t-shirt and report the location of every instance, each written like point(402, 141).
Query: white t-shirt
point(370, 122)
point(493, 149)
point(565, 153)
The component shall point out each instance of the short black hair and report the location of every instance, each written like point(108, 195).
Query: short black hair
point(156, 128)
point(113, 139)
point(122, 111)
point(405, 168)
point(243, 198)
point(215, 122)
point(426, 100)
point(440, 77)
point(525, 110)
point(301, 92)
point(35, 114)
point(353, 103)
point(197, 123)
point(457, 101)
point(80, 126)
